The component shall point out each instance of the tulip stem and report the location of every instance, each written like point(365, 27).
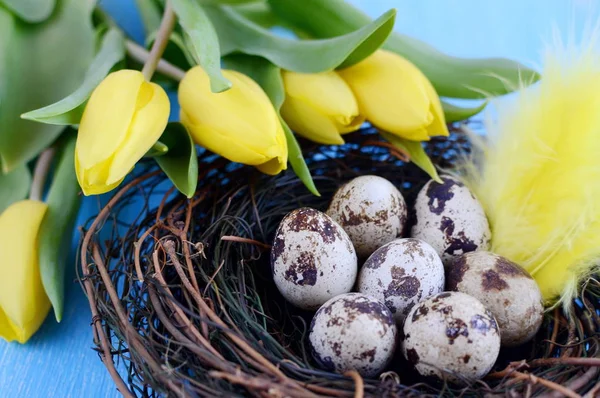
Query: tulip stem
point(160, 43)
point(140, 54)
point(42, 167)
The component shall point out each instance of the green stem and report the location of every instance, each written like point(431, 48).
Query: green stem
point(42, 168)
point(140, 54)
point(160, 43)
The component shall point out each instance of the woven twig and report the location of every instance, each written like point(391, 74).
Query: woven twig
point(183, 302)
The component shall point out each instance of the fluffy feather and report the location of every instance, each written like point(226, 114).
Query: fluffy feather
point(539, 176)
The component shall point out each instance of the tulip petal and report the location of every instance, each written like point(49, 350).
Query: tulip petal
point(243, 113)
point(438, 126)
point(390, 92)
point(107, 116)
point(148, 123)
point(279, 162)
point(272, 167)
point(326, 92)
point(345, 126)
point(8, 330)
point(23, 301)
point(222, 143)
point(93, 180)
point(306, 121)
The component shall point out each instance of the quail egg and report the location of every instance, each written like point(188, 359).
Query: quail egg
point(371, 210)
point(505, 288)
point(312, 259)
point(451, 335)
point(451, 219)
point(353, 332)
point(402, 273)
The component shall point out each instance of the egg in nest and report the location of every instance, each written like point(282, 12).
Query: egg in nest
point(401, 273)
point(506, 289)
point(451, 219)
point(312, 259)
point(371, 210)
point(451, 335)
point(353, 332)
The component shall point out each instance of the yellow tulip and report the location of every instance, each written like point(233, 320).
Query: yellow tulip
point(23, 301)
point(320, 106)
point(123, 118)
point(239, 124)
point(395, 96)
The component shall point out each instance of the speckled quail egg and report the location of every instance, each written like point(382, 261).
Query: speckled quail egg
point(402, 273)
point(312, 258)
point(371, 210)
point(451, 335)
point(353, 332)
point(505, 288)
point(451, 219)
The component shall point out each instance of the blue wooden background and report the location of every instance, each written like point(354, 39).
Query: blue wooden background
point(59, 361)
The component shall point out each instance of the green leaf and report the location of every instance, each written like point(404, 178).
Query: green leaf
point(56, 230)
point(150, 14)
point(230, 2)
point(259, 13)
point(158, 149)
point(70, 109)
point(39, 65)
point(180, 163)
point(204, 41)
point(416, 152)
point(177, 51)
point(297, 161)
point(451, 76)
point(32, 11)
point(14, 186)
point(455, 113)
point(268, 76)
point(239, 34)
point(183, 44)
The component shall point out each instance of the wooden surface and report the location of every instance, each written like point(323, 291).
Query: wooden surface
point(59, 361)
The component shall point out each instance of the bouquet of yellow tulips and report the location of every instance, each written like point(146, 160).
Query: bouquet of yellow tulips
point(81, 104)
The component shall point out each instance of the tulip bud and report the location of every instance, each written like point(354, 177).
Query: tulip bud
point(319, 106)
point(239, 124)
point(23, 300)
point(395, 96)
point(123, 118)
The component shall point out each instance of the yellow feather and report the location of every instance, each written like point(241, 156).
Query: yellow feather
point(539, 176)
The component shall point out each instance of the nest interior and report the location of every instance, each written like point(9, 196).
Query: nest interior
point(184, 304)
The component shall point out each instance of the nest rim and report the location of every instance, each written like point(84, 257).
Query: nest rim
point(572, 342)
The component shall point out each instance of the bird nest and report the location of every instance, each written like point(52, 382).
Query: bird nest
point(184, 303)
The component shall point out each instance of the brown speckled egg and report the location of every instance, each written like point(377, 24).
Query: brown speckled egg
point(451, 219)
point(353, 332)
point(371, 210)
point(312, 258)
point(451, 335)
point(402, 273)
point(506, 289)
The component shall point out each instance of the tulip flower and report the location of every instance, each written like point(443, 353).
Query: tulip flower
point(23, 301)
point(320, 106)
point(239, 124)
point(395, 96)
point(123, 119)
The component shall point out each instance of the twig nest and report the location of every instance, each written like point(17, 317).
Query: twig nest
point(312, 259)
point(353, 332)
point(451, 219)
point(505, 288)
point(371, 210)
point(402, 273)
point(451, 335)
